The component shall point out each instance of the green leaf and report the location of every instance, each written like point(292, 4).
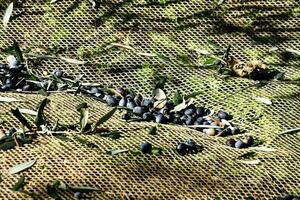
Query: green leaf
point(209, 61)
point(112, 134)
point(20, 184)
point(52, 190)
point(21, 118)
point(83, 189)
point(85, 142)
point(192, 95)
point(153, 130)
point(84, 116)
point(116, 151)
point(8, 13)
point(105, 118)
point(21, 167)
point(160, 82)
point(18, 52)
point(177, 98)
point(156, 151)
point(40, 118)
point(63, 138)
point(43, 92)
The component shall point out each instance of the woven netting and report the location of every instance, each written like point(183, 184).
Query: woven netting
point(173, 29)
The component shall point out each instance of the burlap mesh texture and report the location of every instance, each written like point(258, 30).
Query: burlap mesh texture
point(172, 29)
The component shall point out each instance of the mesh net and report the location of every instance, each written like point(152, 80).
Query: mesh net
point(173, 29)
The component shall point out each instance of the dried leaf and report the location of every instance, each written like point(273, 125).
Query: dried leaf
point(73, 61)
point(273, 49)
point(8, 13)
point(20, 184)
point(8, 99)
point(21, 167)
point(120, 46)
point(53, 1)
point(28, 111)
point(290, 131)
point(266, 149)
point(250, 162)
point(296, 52)
point(84, 116)
point(159, 104)
point(21, 118)
point(159, 94)
point(40, 117)
point(264, 100)
point(179, 107)
point(113, 134)
point(220, 2)
point(116, 151)
point(105, 118)
point(84, 189)
point(203, 52)
point(146, 54)
point(93, 3)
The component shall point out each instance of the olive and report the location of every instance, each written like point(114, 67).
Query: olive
point(146, 147)
point(123, 102)
point(111, 100)
point(139, 110)
point(126, 116)
point(230, 142)
point(182, 148)
point(239, 144)
point(223, 115)
point(147, 116)
point(249, 141)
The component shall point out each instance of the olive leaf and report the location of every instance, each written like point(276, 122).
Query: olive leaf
point(21, 118)
point(160, 83)
point(84, 115)
point(180, 106)
point(8, 99)
point(250, 162)
point(28, 111)
point(21, 167)
point(20, 184)
point(159, 94)
point(293, 130)
point(52, 190)
point(296, 52)
point(266, 149)
point(220, 2)
point(84, 189)
point(40, 117)
point(14, 50)
point(85, 142)
point(177, 98)
point(53, 1)
point(159, 104)
point(43, 92)
point(8, 13)
point(263, 100)
point(116, 151)
point(156, 151)
point(104, 118)
point(113, 134)
point(73, 61)
point(209, 61)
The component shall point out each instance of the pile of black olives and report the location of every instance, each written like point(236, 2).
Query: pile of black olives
point(144, 109)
